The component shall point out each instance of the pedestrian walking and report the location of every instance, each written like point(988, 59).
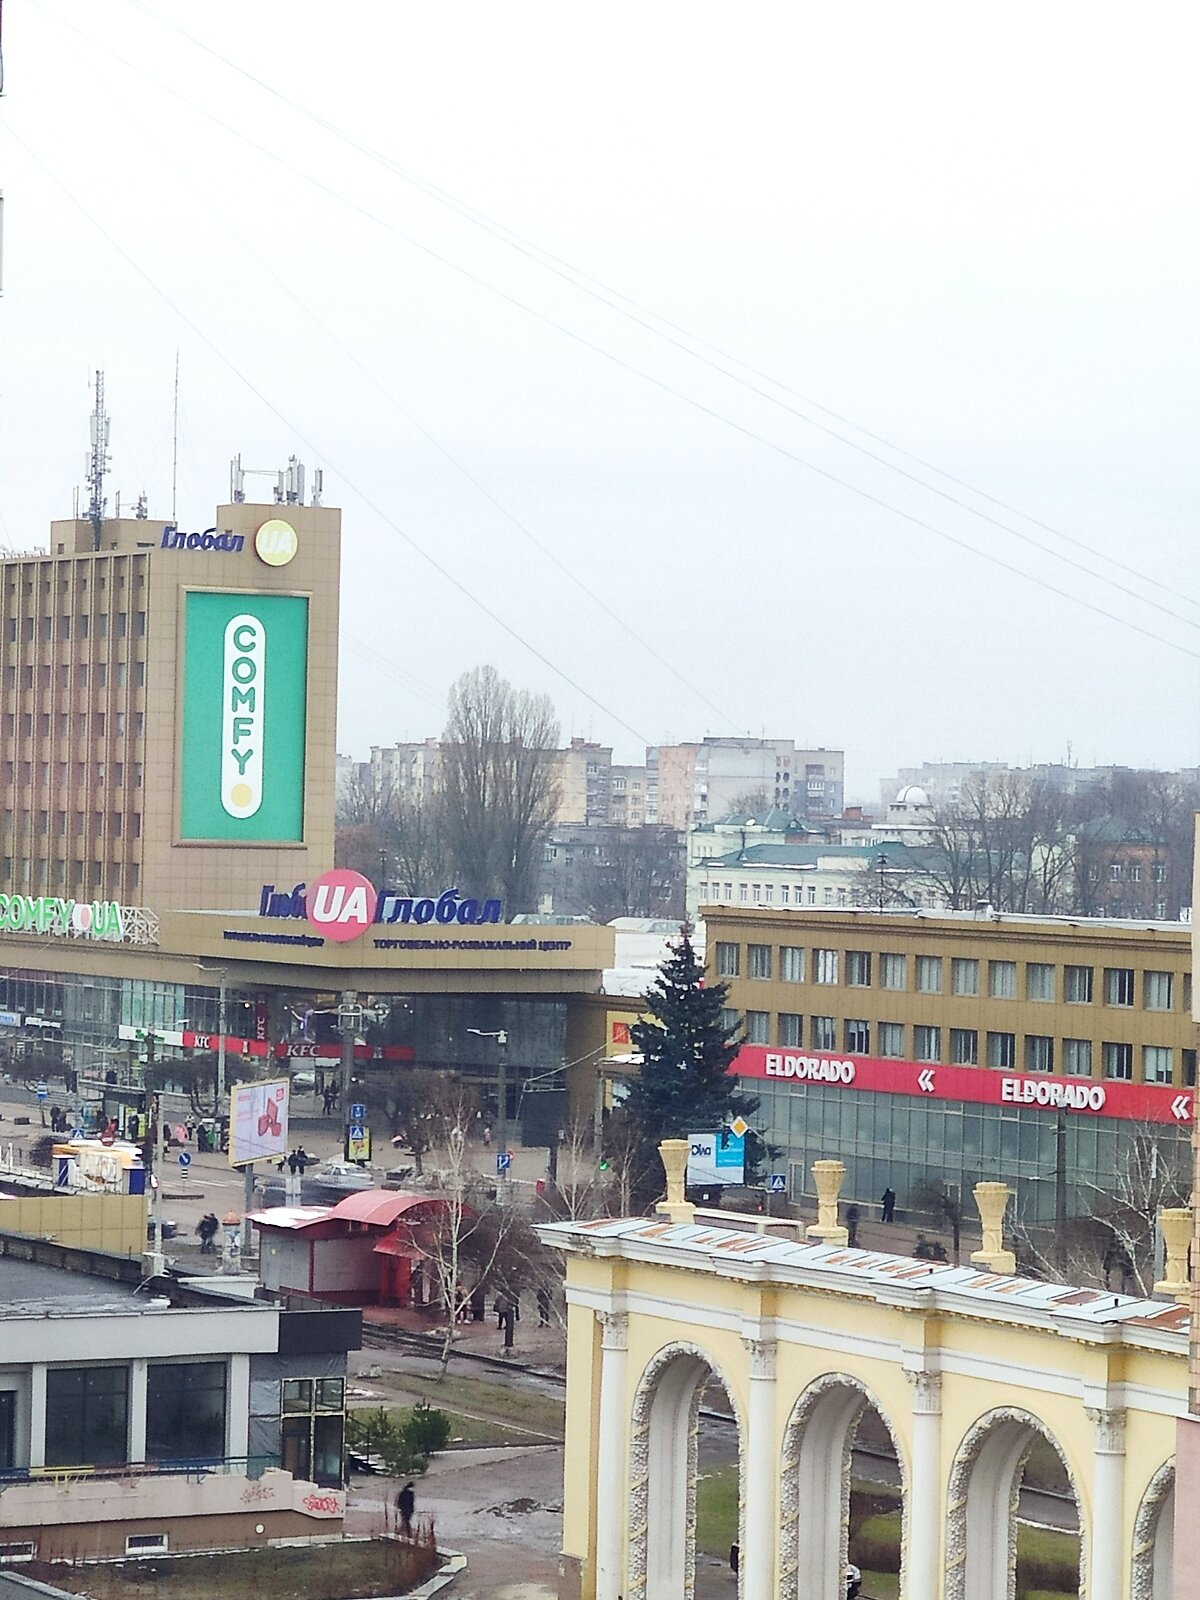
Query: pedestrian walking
point(406, 1502)
point(207, 1229)
point(888, 1202)
point(853, 1216)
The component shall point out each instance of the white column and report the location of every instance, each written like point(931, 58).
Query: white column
point(1107, 1563)
point(611, 1494)
point(924, 1503)
point(237, 1416)
point(760, 1463)
point(137, 1408)
point(37, 1414)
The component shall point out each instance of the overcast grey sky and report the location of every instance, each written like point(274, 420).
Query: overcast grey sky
point(970, 230)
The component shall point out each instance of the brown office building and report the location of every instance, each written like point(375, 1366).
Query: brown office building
point(948, 1047)
point(168, 722)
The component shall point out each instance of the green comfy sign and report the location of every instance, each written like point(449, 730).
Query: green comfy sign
point(245, 669)
point(93, 919)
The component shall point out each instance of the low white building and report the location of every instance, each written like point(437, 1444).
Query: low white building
point(142, 1417)
point(886, 873)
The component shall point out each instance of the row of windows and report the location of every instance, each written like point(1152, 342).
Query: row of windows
point(1030, 1052)
point(25, 679)
point(1041, 978)
point(113, 822)
point(101, 771)
point(84, 625)
point(806, 894)
point(10, 725)
point(45, 586)
point(27, 874)
point(45, 675)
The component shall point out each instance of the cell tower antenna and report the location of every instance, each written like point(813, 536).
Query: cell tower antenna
point(98, 464)
point(175, 440)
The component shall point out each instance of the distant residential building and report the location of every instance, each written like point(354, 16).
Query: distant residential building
point(628, 795)
point(582, 771)
point(1123, 871)
point(703, 782)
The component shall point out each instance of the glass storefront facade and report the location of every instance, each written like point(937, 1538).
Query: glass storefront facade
point(910, 1143)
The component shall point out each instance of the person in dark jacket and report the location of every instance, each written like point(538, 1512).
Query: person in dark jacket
point(406, 1502)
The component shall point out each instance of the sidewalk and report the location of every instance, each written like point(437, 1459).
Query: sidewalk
point(533, 1346)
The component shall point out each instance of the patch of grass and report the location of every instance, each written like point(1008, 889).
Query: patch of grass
point(717, 1509)
point(536, 1413)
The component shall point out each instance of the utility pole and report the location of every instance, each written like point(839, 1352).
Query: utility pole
point(501, 1037)
point(221, 992)
point(348, 1017)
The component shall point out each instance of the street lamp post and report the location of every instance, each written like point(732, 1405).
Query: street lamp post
point(501, 1037)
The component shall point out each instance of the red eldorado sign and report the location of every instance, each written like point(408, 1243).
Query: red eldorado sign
point(1134, 1102)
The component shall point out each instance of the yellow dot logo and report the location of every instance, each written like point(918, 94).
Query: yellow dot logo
point(241, 795)
point(276, 542)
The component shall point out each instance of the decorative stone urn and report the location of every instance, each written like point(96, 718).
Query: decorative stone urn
point(674, 1155)
point(828, 1177)
point(1176, 1224)
point(992, 1200)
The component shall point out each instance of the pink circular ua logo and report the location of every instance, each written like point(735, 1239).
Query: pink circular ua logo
point(341, 904)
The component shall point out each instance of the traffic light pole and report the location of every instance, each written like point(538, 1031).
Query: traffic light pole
point(347, 1018)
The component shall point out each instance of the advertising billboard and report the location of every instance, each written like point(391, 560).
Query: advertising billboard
point(245, 672)
point(258, 1121)
point(715, 1159)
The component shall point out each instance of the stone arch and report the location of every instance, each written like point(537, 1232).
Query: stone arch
point(981, 1505)
point(818, 1444)
point(1154, 1538)
point(662, 1471)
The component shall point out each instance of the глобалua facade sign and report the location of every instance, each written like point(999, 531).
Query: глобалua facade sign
point(75, 919)
point(210, 539)
point(344, 904)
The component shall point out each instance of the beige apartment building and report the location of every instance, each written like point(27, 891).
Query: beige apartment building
point(947, 1047)
point(96, 732)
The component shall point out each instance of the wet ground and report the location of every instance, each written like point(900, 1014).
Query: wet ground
point(501, 1508)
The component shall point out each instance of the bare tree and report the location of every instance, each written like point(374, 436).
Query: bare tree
point(638, 873)
point(1115, 1237)
point(581, 1190)
point(1002, 843)
point(753, 803)
point(498, 788)
point(471, 1234)
point(421, 1107)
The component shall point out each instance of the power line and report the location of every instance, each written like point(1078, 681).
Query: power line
point(606, 295)
point(551, 322)
point(401, 533)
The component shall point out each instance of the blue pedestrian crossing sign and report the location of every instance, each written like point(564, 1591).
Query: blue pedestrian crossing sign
point(185, 1160)
point(77, 1133)
point(358, 1114)
point(42, 1091)
point(779, 1183)
point(503, 1160)
point(356, 1131)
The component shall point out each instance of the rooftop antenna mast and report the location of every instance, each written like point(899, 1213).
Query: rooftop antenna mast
point(98, 464)
point(175, 441)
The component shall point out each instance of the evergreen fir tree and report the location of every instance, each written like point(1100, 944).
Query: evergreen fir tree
point(686, 1052)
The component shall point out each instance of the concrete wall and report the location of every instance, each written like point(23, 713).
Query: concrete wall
point(70, 1516)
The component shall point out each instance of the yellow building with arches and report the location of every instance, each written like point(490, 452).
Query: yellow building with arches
point(967, 1368)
